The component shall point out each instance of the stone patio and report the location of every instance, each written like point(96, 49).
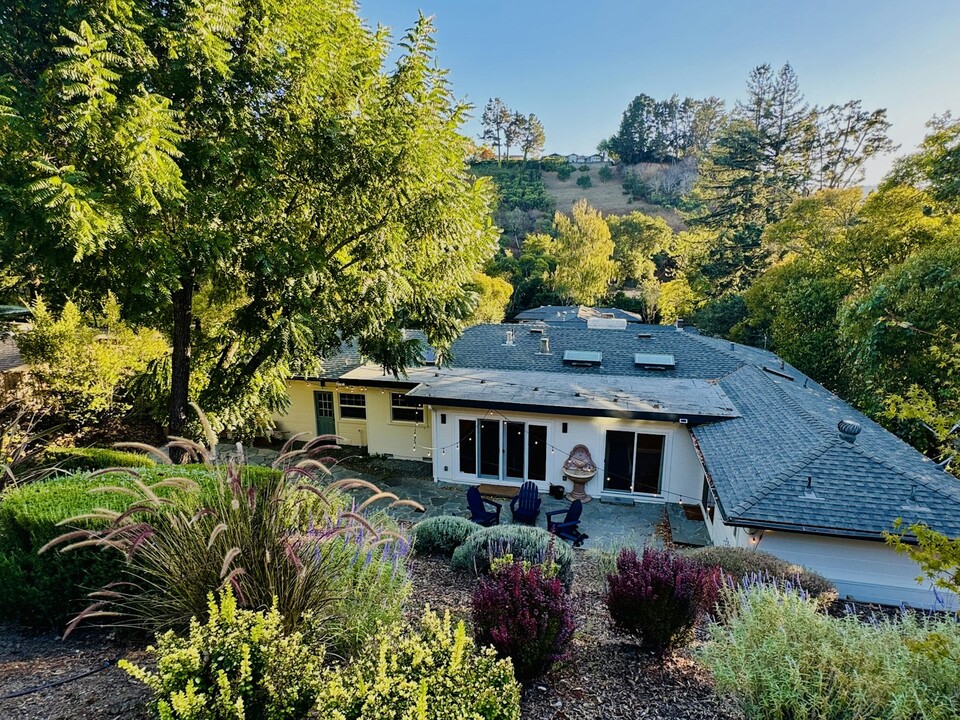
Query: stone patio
point(610, 525)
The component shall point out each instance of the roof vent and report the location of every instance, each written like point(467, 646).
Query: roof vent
point(544, 346)
point(536, 330)
point(429, 356)
point(644, 336)
point(603, 323)
point(849, 429)
point(582, 358)
point(509, 340)
point(607, 315)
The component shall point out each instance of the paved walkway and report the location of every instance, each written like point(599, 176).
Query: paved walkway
point(609, 525)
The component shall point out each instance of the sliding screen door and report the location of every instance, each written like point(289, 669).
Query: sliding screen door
point(618, 464)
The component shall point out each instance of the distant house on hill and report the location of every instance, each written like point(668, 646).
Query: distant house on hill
point(575, 159)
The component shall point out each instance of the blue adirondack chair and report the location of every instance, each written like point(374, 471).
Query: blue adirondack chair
point(569, 527)
point(525, 505)
point(478, 509)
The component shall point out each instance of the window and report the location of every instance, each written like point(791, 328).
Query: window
point(353, 405)
point(405, 409)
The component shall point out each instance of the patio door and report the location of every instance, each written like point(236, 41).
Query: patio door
point(633, 462)
point(323, 406)
point(489, 449)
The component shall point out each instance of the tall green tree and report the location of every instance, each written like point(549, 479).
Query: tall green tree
point(583, 251)
point(637, 239)
point(257, 150)
point(532, 136)
point(495, 120)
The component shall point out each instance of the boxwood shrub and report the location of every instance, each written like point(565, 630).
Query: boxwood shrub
point(45, 590)
point(745, 564)
point(441, 534)
point(524, 543)
point(74, 459)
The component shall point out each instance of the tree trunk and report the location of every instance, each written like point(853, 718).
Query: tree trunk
point(180, 363)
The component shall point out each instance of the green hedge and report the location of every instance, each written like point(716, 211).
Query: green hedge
point(89, 459)
point(442, 534)
point(45, 590)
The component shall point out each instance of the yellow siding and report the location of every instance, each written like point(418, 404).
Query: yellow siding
point(385, 438)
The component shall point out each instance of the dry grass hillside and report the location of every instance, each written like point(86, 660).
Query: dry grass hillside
point(607, 197)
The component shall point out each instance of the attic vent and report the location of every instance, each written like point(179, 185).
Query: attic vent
point(773, 371)
point(644, 336)
point(536, 331)
point(603, 323)
point(849, 429)
point(429, 357)
point(654, 361)
point(582, 358)
point(608, 316)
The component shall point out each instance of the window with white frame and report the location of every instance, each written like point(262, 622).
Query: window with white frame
point(353, 406)
point(405, 409)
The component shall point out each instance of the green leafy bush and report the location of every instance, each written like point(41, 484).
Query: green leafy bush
point(783, 659)
point(744, 564)
point(584, 168)
point(43, 590)
point(87, 459)
point(564, 172)
point(584, 181)
point(434, 673)
point(238, 665)
point(524, 543)
point(605, 173)
point(441, 534)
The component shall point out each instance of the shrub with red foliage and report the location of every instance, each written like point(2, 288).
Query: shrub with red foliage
point(525, 616)
point(659, 596)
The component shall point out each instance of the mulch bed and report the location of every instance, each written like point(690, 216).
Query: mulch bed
point(29, 660)
point(607, 676)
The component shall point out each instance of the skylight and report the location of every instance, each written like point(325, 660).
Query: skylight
point(582, 358)
point(654, 361)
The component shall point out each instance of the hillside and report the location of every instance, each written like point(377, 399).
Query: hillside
point(607, 197)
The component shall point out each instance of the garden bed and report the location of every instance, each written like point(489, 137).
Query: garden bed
point(607, 676)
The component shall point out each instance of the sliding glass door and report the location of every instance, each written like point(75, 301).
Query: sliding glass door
point(633, 462)
point(503, 450)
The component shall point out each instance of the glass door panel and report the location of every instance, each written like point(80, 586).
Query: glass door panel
point(618, 462)
point(489, 448)
point(537, 452)
point(515, 444)
point(646, 473)
point(468, 446)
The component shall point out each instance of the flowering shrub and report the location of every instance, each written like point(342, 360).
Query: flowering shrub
point(741, 563)
point(526, 616)
point(525, 544)
point(781, 657)
point(237, 665)
point(436, 673)
point(442, 534)
point(659, 596)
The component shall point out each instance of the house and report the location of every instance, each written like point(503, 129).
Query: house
point(573, 313)
point(575, 159)
point(772, 460)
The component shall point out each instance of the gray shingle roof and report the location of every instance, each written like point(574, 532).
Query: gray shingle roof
point(786, 438)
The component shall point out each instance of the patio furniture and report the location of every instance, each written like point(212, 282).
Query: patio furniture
point(526, 505)
point(579, 468)
point(569, 527)
point(478, 509)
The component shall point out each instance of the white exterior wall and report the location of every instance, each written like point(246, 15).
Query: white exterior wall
point(864, 570)
point(378, 432)
point(681, 472)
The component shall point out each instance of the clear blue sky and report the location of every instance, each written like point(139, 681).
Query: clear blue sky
point(577, 63)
